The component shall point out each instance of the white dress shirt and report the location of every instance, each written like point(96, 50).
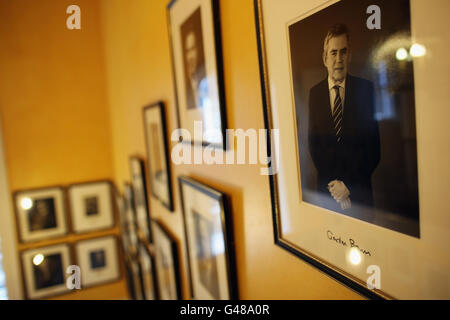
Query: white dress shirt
point(331, 84)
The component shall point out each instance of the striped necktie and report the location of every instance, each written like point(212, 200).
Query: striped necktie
point(337, 114)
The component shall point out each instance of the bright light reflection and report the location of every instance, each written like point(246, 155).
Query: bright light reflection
point(37, 260)
point(417, 50)
point(26, 203)
point(401, 54)
point(355, 256)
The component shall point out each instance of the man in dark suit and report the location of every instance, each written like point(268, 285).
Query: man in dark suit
point(343, 133)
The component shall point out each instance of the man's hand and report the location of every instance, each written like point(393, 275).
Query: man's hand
point(340, 193)
point(338, 190)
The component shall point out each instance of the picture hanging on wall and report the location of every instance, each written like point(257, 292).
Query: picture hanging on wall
point(44, 270)
point(209, 240)
point(344, 89)
point(41, 213)
point(147, 263)
point(158, 156)
point(91, 206)
point(98, 259)
point(167, 263)
point(194, 27)
point(141, 204)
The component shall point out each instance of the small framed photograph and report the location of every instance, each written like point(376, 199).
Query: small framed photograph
point(131, 231)
point(41, 213)
point(98, 259)
point(209, 240)
point(91, 206)
point(44, 270)
point(158, 157)
point(167, 263)
point(134, 278)
point(150, 289)
point(141, 204)
point(196, 44)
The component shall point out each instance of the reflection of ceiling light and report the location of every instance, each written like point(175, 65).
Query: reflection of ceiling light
point(355, 256)
point(401, 54)
point(26, 203)
point(417, 50)
point(37, 260)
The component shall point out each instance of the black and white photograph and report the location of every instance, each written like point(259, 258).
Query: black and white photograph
point(98, 259)
point(355, 109)
point(167, 264)
point(198, 70)
point(141, 204)
point(41, 213)
point(209, 240)
point(91, 206)
point(158, 157)
point(45, 270)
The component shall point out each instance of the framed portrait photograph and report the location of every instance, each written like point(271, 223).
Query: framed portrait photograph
point(167, 263)
point(44, 270)
point(91, 206)
point(150, 288)
point(158, 156)
point(41, 213)
point(343, 91)
point(209, 240)
point(141, 204)
point(98, 260)
point(194, 27)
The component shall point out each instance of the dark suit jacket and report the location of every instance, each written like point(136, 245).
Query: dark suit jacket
point(354, 159)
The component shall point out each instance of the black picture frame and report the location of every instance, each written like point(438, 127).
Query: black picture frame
point(217, 43)
point(168, 203)
point(227, 232)
point(140, 200)
point(145, 253)
point(161, 229)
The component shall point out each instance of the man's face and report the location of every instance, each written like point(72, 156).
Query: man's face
point(191, 53)
point(336, 58)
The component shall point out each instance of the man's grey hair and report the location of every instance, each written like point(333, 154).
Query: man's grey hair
point(336, 30)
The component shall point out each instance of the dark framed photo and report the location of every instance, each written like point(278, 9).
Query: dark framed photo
point(98, 259)
point(147, 262)
point(158, 157)
point(135, 280)
point(41, 213)
point(210, 243)
point(130, 235)
point(195, 36)
point(91, 206)
point(343, 88)
point(141, 204)
point(167, 263)
point(44, 270)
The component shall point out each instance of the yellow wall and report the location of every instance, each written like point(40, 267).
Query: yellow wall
point(53, 102)
point(139, 71)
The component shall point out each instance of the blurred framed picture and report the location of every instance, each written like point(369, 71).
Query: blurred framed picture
point(131, 230)
point(194, 27)
point(136, 283)
point(167, 263)
point(158, 157)
point(147, 263)
point(209, 239)
point(98, 260)
point(348, 93)
point(41, 213)
point(91, 206)
point(141, 204)
point(44, 270)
